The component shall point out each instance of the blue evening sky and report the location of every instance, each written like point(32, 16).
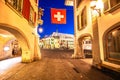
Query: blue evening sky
point(48, 27)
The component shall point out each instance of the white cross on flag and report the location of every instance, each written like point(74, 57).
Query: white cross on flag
point(58, 16)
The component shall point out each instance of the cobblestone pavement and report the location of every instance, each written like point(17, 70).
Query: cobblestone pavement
point(55, 65)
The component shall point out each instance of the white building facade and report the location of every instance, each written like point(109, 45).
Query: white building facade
point(58, 41)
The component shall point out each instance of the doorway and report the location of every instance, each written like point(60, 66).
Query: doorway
point(87, 47)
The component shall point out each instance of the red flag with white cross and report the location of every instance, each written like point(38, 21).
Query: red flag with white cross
point(58, 16)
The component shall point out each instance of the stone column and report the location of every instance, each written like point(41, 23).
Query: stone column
point(95, 43)
point(37, 53)
point(26, 56)
point(76, 45)
point(78, 53)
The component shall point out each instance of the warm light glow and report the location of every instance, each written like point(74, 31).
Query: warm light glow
point(99, 4)
point(93, 4)
point(114, 33)
point(6, 64)
point(6, 48)
point(94, 12)
point(96, 4)
point(3, 35)
point(40, 30)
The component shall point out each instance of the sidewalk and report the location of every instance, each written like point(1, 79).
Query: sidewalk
point(8, 63)
point(87, 60)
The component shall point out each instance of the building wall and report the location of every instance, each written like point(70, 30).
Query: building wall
point(87, 30)
point(105, 22)
point(108, 20)
point(18, 25)
point(98, 26)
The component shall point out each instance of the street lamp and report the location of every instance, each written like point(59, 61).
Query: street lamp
point(40, 21)
point(97, 6)
point(40, 30)
point(40, 14)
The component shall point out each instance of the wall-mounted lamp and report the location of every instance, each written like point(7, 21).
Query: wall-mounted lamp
point(40, 11)
point(40, 14)
point(96, 5)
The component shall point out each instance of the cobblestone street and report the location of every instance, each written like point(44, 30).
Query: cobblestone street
point(55, 65)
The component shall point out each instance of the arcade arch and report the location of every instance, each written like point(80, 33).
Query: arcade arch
point(85, 45)
point(17, 35)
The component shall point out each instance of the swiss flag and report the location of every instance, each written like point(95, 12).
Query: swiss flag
point(58, 16)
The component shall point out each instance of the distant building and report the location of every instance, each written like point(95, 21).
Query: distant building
point(58, 40)
point(69, 2)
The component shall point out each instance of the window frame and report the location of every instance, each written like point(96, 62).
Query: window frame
point(82, 19)
point(110, 6)
point(17, 6)
point(105, 45)
point(32, 16)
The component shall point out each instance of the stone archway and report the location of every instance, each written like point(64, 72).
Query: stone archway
point(85, 45)
point(78, 50)
point(19, 35)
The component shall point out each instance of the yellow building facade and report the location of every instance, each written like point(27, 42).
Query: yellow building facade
point(98, 21)
point(14, 20)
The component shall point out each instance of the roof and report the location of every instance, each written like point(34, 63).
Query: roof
point(62, 34)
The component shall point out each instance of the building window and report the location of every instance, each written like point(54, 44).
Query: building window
point(106, 5)
point(78, 2)
point(35, 1)
point(114, 2)
point(78, 22)
point(32, 16)
point(83, 18)
point(113, 44)
point(16, 4)
point(111, 4)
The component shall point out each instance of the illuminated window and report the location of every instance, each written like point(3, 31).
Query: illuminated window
point(114, 2)
point(106, 5)
point(113, 44)
point(109, 4)
point(32, 16)
point(16, 4)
